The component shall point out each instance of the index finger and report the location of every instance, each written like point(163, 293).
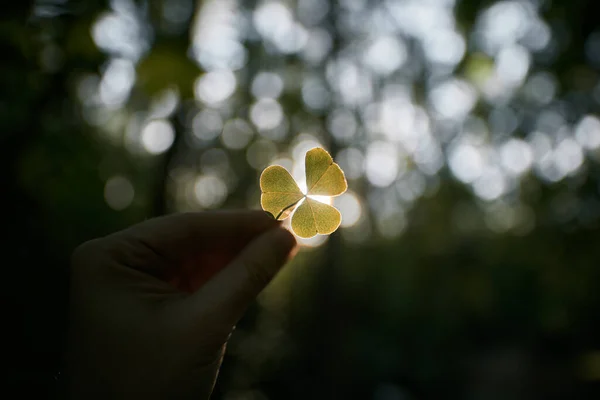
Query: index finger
point(179, 235)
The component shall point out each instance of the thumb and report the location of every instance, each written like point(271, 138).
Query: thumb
point(220, 303)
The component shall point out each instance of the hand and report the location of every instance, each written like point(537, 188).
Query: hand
point(152, 306)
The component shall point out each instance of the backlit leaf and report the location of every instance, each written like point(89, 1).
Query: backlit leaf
point(279, 190)
point(281, 196)
point(323, 176)
point(313, 217)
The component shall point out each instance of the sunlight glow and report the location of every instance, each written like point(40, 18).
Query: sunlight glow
point(385, 55)
point(466, 162)
point(216, 36)
point(453, 99)
point(516, 156)
point(158, 136)
point(210, 191)
point(587, 132)
point(382, 163)
point(350, 208)
point(120, 32)
point(215, 87)
point(266, 114)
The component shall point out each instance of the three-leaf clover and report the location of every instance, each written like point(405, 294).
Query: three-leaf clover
point(281, 196)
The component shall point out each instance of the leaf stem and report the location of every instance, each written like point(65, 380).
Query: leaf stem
point(291, 205)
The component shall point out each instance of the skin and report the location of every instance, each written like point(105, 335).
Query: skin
point(152, 306)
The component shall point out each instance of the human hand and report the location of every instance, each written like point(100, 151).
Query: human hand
point(153, 306)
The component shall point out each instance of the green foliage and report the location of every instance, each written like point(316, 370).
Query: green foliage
point(165, 67)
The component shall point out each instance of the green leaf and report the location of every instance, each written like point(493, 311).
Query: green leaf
point(279, 192)
point(323, 176)
point(282, 197)
point(314, 217)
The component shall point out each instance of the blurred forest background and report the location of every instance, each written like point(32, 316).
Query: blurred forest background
point(467, 264)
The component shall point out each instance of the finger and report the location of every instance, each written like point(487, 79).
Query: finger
point(176, 237)
point(222, 300)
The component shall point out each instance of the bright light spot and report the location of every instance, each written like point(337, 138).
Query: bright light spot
point(382, 163)
point(397, 119)
point(216, 36)
point(207, 124)
point(587, 132)
point(118, 193)
point(237, 133)
point(568, 156)
point(428, 156)
point(267, 85)
point(342, 125)
point(274, 21)
point(352, 82)
point(158, 136)
point(491, 184)
point(313, 242)
point(318, 46)
point(352, 162)
point(315, 94)
point(417, 18)
point(266, 114)
point(541, 145)
point(445, 47)
point(210, 191)
point(321, 199)
point(453, 99)
point(516, 156)
point(120, 32)
point(293, 40)
point(215, 87)
point(116, 83)
point(284, 162)
point(385, 55)
point(512, 65)
point(548, 170)
point(350, 208)
point(502, 24)
point(466, 162)
point(260, 153)
point(304, 143)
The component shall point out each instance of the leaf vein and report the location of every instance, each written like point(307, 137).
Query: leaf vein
point(318, 180)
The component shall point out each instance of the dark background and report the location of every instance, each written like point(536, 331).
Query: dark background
point(467, 265)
